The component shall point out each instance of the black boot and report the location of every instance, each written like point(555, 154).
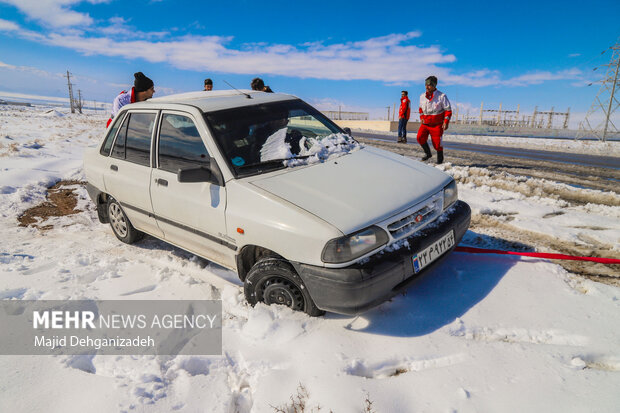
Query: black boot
point(439, 157)
point(427, 152)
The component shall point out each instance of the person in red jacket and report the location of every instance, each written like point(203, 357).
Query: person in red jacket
point(403, 116)
point(435, 113)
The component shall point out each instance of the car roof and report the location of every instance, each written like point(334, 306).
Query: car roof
point(208, 101)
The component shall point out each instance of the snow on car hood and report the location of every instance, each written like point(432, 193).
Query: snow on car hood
point(311, 150)
point(358, 189)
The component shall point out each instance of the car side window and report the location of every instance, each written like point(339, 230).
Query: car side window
point(107, 144)
point(180, 144)
point(138, 138)
point(118, 151)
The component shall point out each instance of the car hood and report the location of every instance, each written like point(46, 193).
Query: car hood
point(356, 190)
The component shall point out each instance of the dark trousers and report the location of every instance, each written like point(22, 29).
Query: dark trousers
point(402, 128)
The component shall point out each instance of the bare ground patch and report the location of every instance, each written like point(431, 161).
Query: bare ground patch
point(61, 201)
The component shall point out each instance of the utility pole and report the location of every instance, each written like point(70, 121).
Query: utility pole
point(517, 116)
point(566, 118)
point(68, 76)
point(499, 114)
point(550, 121)
point(388, 117)
point(79, 102)
point(609, 84)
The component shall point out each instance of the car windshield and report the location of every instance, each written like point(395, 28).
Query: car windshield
point(261, 138)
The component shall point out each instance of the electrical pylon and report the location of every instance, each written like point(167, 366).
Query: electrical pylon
point(606, 101)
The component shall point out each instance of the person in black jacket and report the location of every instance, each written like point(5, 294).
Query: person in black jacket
point(258, 84)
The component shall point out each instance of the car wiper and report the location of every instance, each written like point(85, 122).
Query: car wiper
point(268, 164)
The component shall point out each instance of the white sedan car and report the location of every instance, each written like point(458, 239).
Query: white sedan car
point(266, 185)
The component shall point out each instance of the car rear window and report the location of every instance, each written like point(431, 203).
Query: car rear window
point(133, 142)
point(107, 145)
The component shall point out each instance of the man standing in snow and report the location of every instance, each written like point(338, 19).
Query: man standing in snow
point(143, 89)
point(403, 116)
point(208, 85)
point(435, 113)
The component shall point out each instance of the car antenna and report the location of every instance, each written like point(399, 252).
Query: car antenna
point(247, 95)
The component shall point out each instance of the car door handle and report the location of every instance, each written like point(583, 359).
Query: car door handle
point(161, 182)
point(114, 167)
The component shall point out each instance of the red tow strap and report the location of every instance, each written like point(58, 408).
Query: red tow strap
point(473, 250)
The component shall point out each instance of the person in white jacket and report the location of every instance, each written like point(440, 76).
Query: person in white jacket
point(143, 89)
point(435, 114)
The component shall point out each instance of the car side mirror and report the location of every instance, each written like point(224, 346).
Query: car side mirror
point(200, 174)
point(347, 131)
point(205, 173)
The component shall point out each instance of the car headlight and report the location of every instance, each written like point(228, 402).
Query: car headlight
point(450, 194)
point(353, 246)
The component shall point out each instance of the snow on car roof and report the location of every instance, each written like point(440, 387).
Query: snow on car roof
point(219, 99)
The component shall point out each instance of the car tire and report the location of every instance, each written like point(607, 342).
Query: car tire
point(274, 281)
point(121, 226)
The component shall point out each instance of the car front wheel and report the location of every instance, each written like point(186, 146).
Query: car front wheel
point(273, 281)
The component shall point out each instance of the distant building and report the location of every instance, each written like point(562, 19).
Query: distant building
point(340, 115)
point(4, 102)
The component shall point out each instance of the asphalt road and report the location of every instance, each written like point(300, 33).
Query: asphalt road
point(591, 161)
point(580, 171)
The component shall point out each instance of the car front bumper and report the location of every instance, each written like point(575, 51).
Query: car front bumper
point(355, 289)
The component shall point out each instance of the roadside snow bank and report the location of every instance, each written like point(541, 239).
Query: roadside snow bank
point(611, 148)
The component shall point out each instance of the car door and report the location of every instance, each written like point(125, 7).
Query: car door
point(191, 214)
point(127, 176)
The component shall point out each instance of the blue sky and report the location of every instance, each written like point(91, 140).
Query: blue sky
point(357, 55)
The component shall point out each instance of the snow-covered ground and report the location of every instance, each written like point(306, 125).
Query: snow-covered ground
point(481, 333)
point(587, 147)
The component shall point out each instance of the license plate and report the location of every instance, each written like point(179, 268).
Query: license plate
point(425, 257)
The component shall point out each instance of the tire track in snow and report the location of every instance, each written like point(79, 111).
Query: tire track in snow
point(596, 362)
point(395, 367)
point(497, 229)
point(520, 335)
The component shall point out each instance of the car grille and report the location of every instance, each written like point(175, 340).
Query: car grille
point(415, 218)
